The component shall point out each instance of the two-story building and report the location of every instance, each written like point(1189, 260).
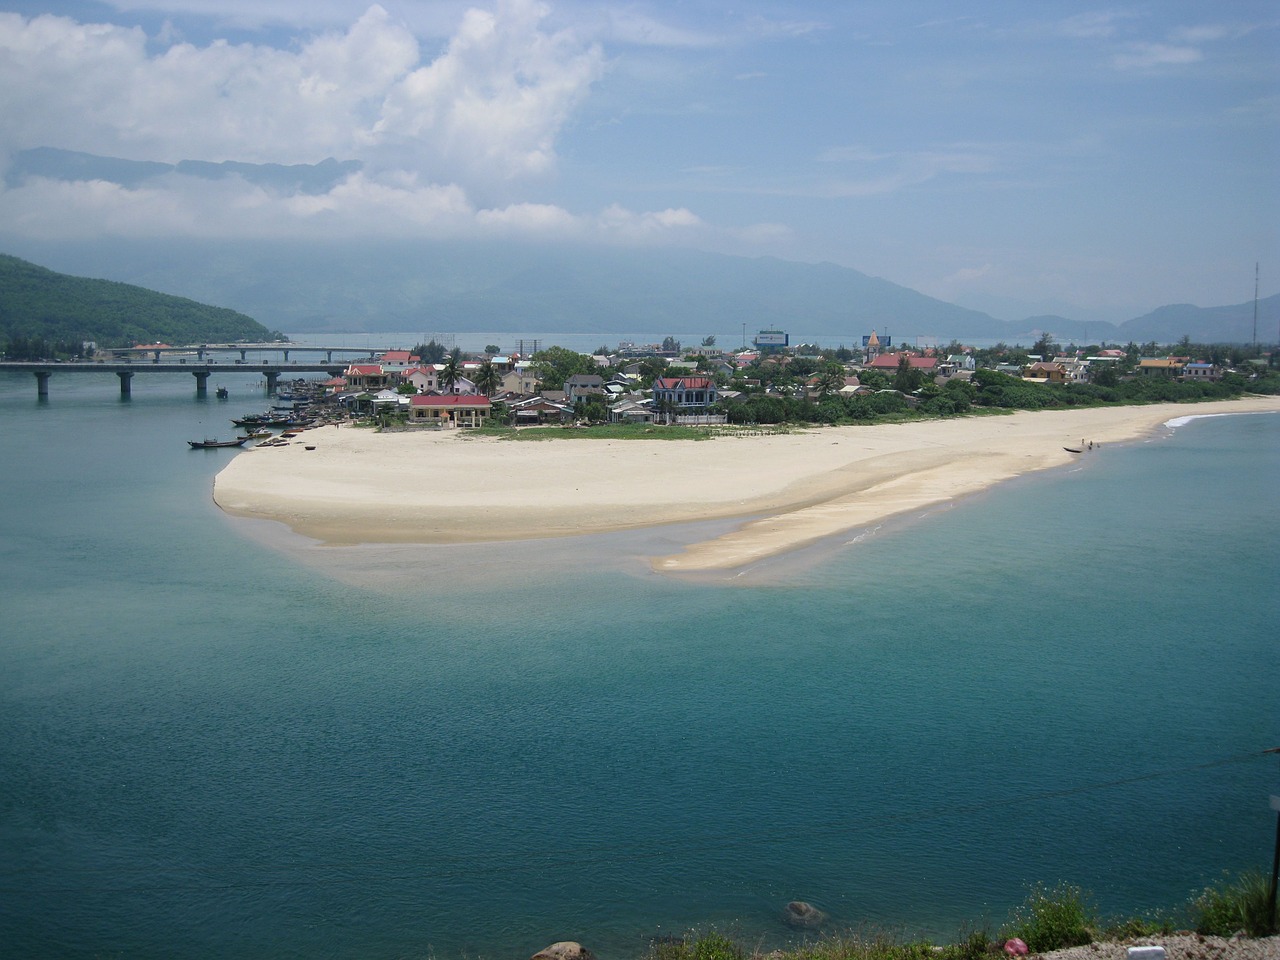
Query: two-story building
point(684, 394)
point(370, 377)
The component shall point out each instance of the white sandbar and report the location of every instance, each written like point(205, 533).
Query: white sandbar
point(358, 486)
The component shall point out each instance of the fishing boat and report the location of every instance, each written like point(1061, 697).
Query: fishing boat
point(210, 444)
point(1072, 450)
point(222, 393)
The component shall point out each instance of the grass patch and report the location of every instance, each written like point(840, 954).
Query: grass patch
point(1232, 905)
point(1053, 918)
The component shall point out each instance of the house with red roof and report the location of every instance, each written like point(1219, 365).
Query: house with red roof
point(449, 410)
point(889, 361)
point(398, 357)
point(424, 377)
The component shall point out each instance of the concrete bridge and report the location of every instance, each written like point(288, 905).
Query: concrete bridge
point(201, 350)
point(127, 370)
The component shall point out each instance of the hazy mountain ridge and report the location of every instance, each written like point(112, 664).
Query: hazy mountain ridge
point(509, 287)
point(70, 165)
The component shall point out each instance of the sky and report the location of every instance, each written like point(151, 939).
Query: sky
point(1010, 156)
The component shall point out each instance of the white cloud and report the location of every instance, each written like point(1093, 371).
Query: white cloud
point(1141, 56)
point(489, 107)
point(878, 173)
point(968, 275)
point(1092, 25)
point(497, 98)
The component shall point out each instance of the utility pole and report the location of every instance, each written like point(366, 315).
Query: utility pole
point(1275, 866)
point(1255, 306)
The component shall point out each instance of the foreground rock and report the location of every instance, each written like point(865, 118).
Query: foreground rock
point(803, 915)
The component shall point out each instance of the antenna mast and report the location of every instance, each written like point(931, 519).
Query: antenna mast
point(1255, 303)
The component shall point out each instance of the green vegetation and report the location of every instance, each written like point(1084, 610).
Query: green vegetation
point(1240, 904)
point(48, 314)
point(1051, 918)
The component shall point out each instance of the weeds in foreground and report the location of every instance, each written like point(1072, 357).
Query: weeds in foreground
point(1051, 918)
point(1234, 905)
point(1054, 918)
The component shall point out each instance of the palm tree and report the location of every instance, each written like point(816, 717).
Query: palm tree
point(830, 381)
point(488, 379)
point(452, 371)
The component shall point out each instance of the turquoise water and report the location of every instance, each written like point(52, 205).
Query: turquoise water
point(213, 747)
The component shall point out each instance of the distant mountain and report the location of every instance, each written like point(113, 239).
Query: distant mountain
point(462, 287)
point(466, 286)
point(1232, 324)
point(36, 302)
point(69, 165)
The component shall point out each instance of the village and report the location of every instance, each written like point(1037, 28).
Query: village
point(769, 382)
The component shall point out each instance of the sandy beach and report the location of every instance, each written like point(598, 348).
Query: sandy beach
point(359, 486)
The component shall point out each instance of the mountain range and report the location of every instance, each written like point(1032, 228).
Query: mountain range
point(356, 285)
point(375, 286)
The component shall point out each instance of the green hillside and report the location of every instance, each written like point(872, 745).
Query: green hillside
point(42, 310)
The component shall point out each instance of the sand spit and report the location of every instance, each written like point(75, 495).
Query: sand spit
point(358, 486)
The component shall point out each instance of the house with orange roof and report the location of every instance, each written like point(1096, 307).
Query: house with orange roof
point(369, 376)
point(399, 358)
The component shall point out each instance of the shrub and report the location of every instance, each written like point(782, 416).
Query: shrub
point(1054, 918)
point(1235, 905)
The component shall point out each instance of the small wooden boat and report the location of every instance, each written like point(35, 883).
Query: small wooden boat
point(210, 444)
point(1072, 450)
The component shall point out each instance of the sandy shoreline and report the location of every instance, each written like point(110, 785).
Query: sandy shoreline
point(358, 486)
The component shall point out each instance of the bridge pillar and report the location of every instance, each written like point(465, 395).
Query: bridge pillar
point(328, 357)
point(126, 378)
point(286, 356)
point(200, 352)
point(202, 382)
point(243, 354)
point(42, 384)
point(273, 377)
point(156, 358)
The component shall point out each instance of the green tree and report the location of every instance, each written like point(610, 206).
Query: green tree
point(651, 368)
point(492, 349)
point(670, 345)
point(591, 408)
point(451, 372)
point(430, 352)
point(555, 365)
point(488, 379)
point(709, 341)
point(1105, 375)
point(907, 379)
point(1045, 347)
point(830, 380)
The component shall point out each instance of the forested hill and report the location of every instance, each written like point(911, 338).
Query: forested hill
point(40, 305)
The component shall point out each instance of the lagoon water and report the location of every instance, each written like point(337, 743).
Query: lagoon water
point(215, 744)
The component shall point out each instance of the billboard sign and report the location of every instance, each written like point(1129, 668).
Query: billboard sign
point(772, 338)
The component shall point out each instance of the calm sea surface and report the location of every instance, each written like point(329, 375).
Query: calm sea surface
point(215, 744)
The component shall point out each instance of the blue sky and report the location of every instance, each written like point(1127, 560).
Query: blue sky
point(1014, 157)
